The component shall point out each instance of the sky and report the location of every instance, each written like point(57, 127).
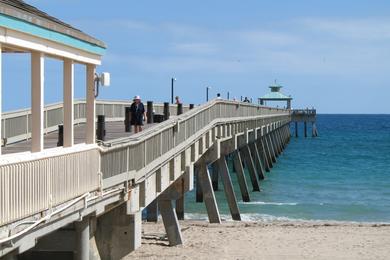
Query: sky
point(332, 55)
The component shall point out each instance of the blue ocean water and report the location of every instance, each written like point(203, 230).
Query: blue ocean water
point(343, 175)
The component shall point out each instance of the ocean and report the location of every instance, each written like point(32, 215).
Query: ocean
point(342, 175)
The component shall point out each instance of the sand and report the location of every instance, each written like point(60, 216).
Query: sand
point(277, 240)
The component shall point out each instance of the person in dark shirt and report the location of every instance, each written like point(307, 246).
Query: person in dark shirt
point(246, 100)
point(138, 114)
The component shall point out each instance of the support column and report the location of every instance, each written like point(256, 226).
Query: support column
point(208, 193)
point(237, 162)
point(262, 154)
point(257, 160)
point(278, 142)
point(228, 187)
point(251, 167)
point(274, 143)
point(90, 105)
point(37, 103)
point(281, 139)
point(271, 147)
point(305, 125)
point(198, 187)
point(267, 152)
point(171, 222)
point(82, 239)
point(68, 103)
point(296, 129)
point(214, 176)
point(152, 211)
point(179, 208)
point(118, 234)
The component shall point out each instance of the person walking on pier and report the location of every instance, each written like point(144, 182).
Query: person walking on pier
point(138, 114)
point(177, 98)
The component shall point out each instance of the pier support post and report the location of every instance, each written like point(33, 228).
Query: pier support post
point(171, 222)
point(280, 138)
point(296, 129)
point(237, 162)
point(263, 154)
point(246, 154)
point(214, 176)
point(228, 187)
point(271, 147)
point(257, 160)
point(179, 207)
point(279, 141)
point(118, 234)
point(267, 152)
point(152, 211)
point(198, 186)
point(82, 239)
point(208, 193)
point(274, 144)
point(305, 125)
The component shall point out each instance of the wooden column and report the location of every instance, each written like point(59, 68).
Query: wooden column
point(37, 103)
point(90, 105)
point(68, 103)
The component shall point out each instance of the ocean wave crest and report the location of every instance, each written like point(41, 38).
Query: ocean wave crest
point(269, 203)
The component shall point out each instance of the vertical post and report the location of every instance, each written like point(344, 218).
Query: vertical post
point(68, 103)
point(172, 82)
point(199, 192)
point(208, 193)
point(152, 211)
point(171, 223)
point(82, 238)
point(241, 176)
point(179, 109)
point(127, 119)
point(214, 176)
point(305, 125)
point(179, 203)
point(228, 187)
point(251, 167)
point(149, 111)
point(296, 129)
point(166, 111)
point(91, 108)
point(191, 106)
point(37, 105)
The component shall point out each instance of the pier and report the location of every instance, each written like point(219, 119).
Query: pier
point(74, 180)
point(305, 116)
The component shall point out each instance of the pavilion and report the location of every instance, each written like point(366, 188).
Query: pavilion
point(275, 95)
point(25, 29)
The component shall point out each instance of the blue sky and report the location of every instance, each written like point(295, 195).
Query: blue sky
point(333, 55)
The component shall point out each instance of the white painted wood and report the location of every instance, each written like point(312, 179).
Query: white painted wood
point(29, 42)
point(37, 103)
point(91, 107)
point(68, 103)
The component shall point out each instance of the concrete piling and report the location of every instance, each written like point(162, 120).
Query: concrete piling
point(263, 154)
point(82, 239)
point(296, 129)
point(257, 160)
point(241, 176)
point(228, 187)
point(267, 152)
point(246, 155)
point(305, 128)
point(171, 222)
point(208, 193)
point(214, 175)
point(152, 211)
point(198, 186)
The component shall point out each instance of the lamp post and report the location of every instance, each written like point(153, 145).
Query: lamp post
point(228, 95)
point(207, 93)
point(172, 82)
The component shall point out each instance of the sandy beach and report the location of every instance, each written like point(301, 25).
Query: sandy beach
point(276, 240)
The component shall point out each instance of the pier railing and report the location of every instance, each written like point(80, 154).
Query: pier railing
point(16, 125)
point(34, 183)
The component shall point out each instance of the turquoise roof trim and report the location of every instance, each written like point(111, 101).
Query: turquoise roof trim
point(22, 26)
point(275, 95)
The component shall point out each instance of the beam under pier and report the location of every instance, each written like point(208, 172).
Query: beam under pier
point(257, 160)
point(263, 154)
